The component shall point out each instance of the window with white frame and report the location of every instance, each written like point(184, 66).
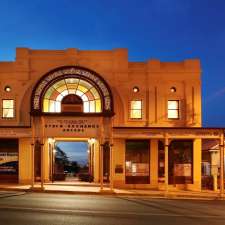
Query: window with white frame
point(8, 108)
point(173, 109)
point(136, 109)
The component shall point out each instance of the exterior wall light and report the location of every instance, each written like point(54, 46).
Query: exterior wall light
point(92, 140)
point(7, 88)
point(51, 140)
point(135, 89)
point(173, 89)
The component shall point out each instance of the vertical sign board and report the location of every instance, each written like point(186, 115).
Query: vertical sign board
point(78, 127)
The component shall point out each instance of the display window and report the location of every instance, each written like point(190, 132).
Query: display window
point(137, 162)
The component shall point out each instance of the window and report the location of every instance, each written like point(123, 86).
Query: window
point(180, 158)
point(72, 86)
point(7, 88)
point(7, 108)
point(9, 154)
point(173, 89)
point(173, 109)
point(135, 89)
point(136, 109)
point(137, 161)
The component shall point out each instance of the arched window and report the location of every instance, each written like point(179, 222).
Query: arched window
point(52, 101)
point(89, 86)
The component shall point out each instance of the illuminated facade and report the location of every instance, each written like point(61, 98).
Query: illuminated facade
point(142, 120)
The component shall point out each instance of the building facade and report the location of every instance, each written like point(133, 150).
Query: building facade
point(142, 120)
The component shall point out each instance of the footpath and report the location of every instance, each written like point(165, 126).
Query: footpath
point(16, 189)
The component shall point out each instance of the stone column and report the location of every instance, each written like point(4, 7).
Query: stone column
point(111, 166)
point(101, 165)
point(89, 158)
point(42, 165)
point(222, 165)
point(32, 152)
point(197, 158)
point(42, 153)
point(154, 162)
point(166, 147)
point(214, 167)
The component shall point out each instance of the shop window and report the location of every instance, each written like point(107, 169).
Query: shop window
point(181, 162)
point(173, 109)
point(137, 162)
point(8, 108)
point(9, 160)
point(136, 109)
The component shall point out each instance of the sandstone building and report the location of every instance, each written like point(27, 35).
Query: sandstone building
point(142, 120)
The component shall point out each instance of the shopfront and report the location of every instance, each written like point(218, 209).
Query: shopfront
point(9, 158)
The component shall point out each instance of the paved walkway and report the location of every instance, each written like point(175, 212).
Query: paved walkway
point(95, 189)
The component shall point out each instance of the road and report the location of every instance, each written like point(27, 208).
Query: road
point(63, 209)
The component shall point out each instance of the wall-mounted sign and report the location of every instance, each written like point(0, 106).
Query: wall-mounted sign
point(79, 127)
point(192, 133)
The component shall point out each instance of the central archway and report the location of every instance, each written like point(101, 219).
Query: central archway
point(53, 87)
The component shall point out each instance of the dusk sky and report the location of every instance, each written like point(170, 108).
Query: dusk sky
point(169, 30)
point(75, 151)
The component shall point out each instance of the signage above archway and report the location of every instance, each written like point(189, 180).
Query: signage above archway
point(60, 82)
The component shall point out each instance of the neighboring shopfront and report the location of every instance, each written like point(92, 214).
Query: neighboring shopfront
point(9, 160)
point(141, 120)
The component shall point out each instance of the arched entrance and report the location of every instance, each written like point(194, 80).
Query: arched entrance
point(72, 103)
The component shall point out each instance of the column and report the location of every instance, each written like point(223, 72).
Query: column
point(154, 162)
point(101, 165)
point(92, 160)
point(42, 165)
point(51, 143)
point(53, 163)
point(89, 158)
point(214, 167)
point(166, 146)
point(32, 164)
point(32, 152)
point(42, 153)
point(197, 159)
point(50, 160)
point(111, 166)
point(222, 165)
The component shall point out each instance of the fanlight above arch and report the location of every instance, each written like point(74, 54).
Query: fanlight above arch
point(78, 82)
point(87, 92)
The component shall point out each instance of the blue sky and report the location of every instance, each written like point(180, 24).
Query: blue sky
point(76, 151)
point(170, 30)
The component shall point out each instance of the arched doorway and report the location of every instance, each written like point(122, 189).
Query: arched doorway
point(74, 103)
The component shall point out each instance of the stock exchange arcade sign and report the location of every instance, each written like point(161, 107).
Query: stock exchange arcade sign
point(70, 127)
